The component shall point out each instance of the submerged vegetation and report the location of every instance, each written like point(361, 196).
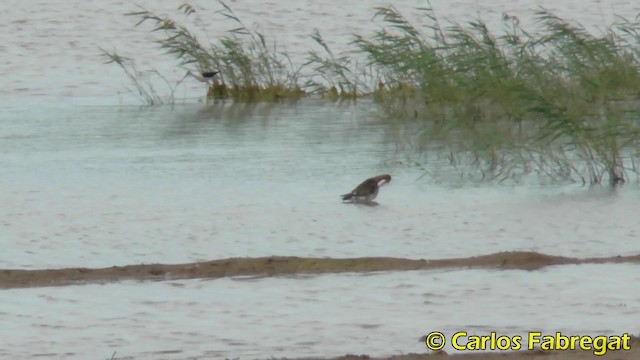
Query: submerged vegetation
point(557, 101)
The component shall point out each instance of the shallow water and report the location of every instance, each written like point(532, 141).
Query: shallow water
point(88, 181)
point(328, 315)
point(113, 186)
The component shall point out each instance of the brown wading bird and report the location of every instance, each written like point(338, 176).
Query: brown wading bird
point(368, 190)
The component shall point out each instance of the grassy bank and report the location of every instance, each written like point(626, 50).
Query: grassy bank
point(555, 100)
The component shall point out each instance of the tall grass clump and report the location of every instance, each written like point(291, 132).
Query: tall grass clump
point(555, 100)
point(336, 72)
point(558, 100)
point(251, 68)
point(141, 80)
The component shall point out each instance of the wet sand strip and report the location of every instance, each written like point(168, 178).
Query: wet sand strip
point(632, 354)
point(277, 265)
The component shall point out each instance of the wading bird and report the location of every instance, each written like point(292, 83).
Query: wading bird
point(203, 77)
point(367, 190)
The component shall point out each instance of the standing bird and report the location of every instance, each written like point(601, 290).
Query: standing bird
point(204, 77)
point(368, 189)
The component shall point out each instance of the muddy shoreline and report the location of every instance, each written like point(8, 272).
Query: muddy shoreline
point(278, 265)
point(632, 354)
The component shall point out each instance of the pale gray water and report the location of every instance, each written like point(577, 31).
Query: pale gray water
point(326, 315)
point(50, 48)
point(85, 184)
point(114, 186)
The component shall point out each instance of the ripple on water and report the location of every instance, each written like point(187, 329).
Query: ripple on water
point(57, 60)
point(240, 188)
point(350, 313)
point(120, 185)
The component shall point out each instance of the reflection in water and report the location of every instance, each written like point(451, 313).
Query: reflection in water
point(103, 186)
point(366, 203)
point(116, 186)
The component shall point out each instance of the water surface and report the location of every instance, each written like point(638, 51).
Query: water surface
point(328, 315)
point(113, 186)
point(88, 180)
point(47, 58)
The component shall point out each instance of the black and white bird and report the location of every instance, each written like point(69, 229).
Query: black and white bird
point(202, 77)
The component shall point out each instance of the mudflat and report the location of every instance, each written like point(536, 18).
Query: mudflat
point(276, 265)
point(632, 354)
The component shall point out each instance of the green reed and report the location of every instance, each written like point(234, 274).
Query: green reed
point(556, 100)
point(251, 68)
point(140, 79)
point(334, 71)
